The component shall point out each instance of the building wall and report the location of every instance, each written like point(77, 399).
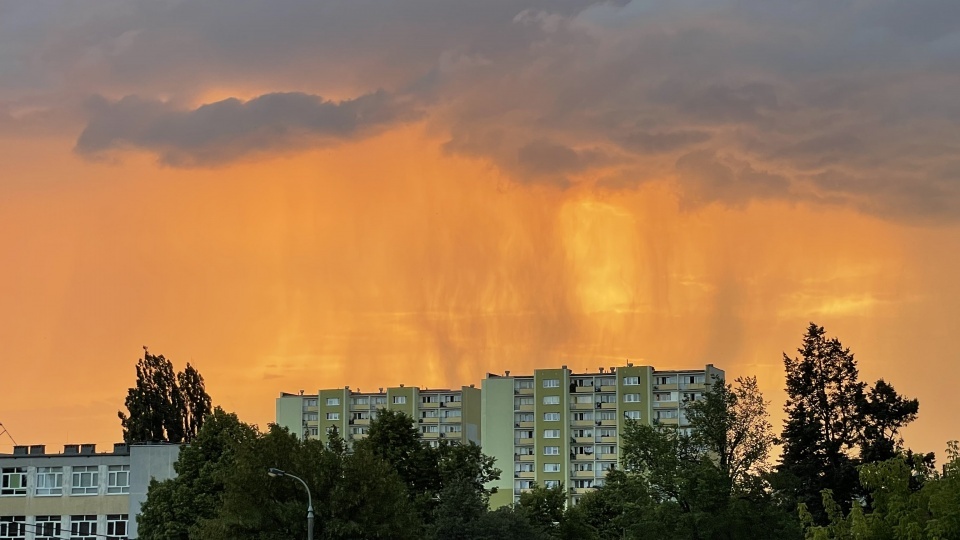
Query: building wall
point(122, 481)
point(290, 411)
point(497, 401)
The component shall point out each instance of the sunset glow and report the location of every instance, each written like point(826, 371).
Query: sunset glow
point(495, 187)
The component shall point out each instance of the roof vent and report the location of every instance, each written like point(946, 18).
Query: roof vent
point(121, 448)
point(71, 449)
point(601, 369)
point(88, 449)
point(37, 450)
point(21, 450)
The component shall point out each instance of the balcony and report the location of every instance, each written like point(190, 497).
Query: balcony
point(582, 406)
point(523, 475)
point(611, 422)
point(523, 408)
point(523, 391)
point(430, 405)
point(608, 405)
point(693, 386)
point(671, 386)
point(430, 420)
point(582, 474)
point(609, 388)
point(582, 423)
point(524, 424)
point(607, 456)
point(523, 458)
point(585, 389)
point(612, 440)
point(665, 404)
point(583, 440)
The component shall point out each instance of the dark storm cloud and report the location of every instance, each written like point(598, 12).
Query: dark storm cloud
point(230, 129)
point(840, 102)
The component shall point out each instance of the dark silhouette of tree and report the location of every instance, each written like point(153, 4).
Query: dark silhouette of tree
point(164, 405)
point(884, 413)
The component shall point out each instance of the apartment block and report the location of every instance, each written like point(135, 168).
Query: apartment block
point(448, 414)
point(556, 427)
point(78, 494)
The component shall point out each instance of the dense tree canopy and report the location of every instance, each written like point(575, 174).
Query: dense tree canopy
point(164, 405)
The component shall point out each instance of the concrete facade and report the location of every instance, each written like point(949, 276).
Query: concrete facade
point(78, 494)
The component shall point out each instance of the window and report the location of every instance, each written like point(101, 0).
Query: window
point(523, 401)
point(691, 396)
point(551, 417)
point(582, 483)
point(582, 450)
point(663, 380)
point(313, 432)
point(380, 400)
point(362, 400)
point(47, 528)
point(631, 398)
point(333, 416)
point(551, 433)
point(49, 481)
point(333, 401)
point(663, 396)
point(399, 400)
point(551, 450)
point(453, 428)
point(606, 466)
point(430, 428)
point(83, 528)
point(312, 402)
point(661, 415)
point(360, 416)
point(524, 484)
point(452, 413)
point(551, 383)
point(608, 398)
point(582, 433)
point(632, 415)
point(429, 399)
point(86, 480)
point(13, 527)
point(631, 381)
point(608, 381)
point(581, 466)
point(607, 415)
point(310, 417)
point(118, 479)
point(582, 398)
point(524, 384)
point(525, 451)
point(551, 400)
point(429, 413)
point(551, 484)
point(361, 430)
point(526, 434)
point(608, 432)
point(551, 467)
point(523, 467)
point(14, 481)
point(525, 417)
point(580, 416)
point(452, 398)
point(608, 449)
point(117, 527)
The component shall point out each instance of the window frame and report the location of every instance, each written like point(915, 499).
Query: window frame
point(43, 473)
point(114, 473)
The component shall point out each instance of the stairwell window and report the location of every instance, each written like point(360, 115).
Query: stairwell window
point(333, 401)
point(631, 381)
point(551, 450)
point(631, 398)
point(551, 383)
point(399, 400)
point(551, 417)
point(632, 415)
point(551, 434)
point(333, 416)
point(551, 467)
point(551, 400)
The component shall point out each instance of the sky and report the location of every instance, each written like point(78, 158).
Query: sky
point(292, 194)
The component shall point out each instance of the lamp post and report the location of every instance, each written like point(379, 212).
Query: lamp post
point(276, 473)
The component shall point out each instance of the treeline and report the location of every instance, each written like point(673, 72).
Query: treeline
point(843, 473)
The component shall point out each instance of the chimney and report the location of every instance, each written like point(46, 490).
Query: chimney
point(121, 448)
point(629, 364)
point(301, 392)
point(506, 373)
point(21, 450)
point(381, 391)
point(37, 450)
point(613, 369)
point(563, 367)
point(71, 449)
point(401, 385)
point(601, 369)
point(88, 449)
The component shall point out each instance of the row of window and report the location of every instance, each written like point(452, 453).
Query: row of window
point(577, 466)
point(85, 527)
point(579, 483)
point(434, 428)
point(583, 416)
point(555, 383)
point(580, 399)
point(49, 481)
point(382, 400)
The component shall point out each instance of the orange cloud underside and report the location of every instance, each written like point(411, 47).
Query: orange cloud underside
point(387, 262)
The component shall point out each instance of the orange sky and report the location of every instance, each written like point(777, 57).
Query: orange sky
point(428, 236)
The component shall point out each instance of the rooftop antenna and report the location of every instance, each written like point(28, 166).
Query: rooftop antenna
point(4, 430)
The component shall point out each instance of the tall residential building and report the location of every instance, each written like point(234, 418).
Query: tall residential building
point(558, 427)
point(79, 494)
point(440, 413)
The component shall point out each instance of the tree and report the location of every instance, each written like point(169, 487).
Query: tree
point(732, 424)
point(823, 422)
point(177, 506)
point(543, 507)
point(164, 405)
point(830, 412)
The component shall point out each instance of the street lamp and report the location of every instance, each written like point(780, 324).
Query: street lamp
point(277, 473)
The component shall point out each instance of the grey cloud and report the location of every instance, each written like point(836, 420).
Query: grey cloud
point(226, 130)
point(861, 91)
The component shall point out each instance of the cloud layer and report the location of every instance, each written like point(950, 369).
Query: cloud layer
point(845, 103)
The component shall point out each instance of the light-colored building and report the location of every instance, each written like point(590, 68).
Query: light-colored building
point(78, 494)
point(448, 414)
point(556, 427)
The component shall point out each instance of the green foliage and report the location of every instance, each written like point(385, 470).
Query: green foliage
point(164, 406)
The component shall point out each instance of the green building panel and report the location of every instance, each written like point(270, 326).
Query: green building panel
point(290, 413)
point(471, 414)
point(497, 427)
point(551, 388)
point(333, 408)
point(403, 399)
